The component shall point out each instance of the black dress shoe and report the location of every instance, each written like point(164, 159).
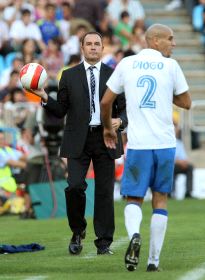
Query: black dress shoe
point(104, 251)
point(75, 246)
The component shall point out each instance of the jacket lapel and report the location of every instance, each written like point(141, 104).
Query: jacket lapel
point(103, 80)
point(83, 77)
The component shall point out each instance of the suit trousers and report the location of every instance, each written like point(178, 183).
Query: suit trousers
point(104, 169)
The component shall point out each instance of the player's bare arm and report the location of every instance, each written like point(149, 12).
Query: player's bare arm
point(183, 100)
point(110, 136)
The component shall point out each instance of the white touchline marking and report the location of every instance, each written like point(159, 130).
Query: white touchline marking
point(40, 277)
point(195, 274)
point(116, 244)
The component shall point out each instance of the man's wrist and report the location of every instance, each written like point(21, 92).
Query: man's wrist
point(44, 98)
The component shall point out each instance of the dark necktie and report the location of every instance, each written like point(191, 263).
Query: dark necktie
point(92, 88)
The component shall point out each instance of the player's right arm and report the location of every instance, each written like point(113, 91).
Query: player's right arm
point(110, 136)
point(181, 96)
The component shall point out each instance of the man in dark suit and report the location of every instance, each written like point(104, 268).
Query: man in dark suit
point(80, 90)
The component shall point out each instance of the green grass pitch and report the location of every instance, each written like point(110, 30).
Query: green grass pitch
point(183, 251)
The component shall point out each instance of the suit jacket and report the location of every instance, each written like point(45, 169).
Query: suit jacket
point(73, 101)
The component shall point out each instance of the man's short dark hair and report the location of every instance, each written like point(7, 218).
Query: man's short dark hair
point(89, 33)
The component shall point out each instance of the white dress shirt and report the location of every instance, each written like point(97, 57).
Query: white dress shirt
point(95, 120)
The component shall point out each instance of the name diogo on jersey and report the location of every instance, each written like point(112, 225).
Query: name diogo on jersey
point(148, 65)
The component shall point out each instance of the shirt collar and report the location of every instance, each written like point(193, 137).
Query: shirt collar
point(150, 51)
point(87, 65)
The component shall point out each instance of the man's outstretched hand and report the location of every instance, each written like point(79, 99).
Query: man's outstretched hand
point(38, 92)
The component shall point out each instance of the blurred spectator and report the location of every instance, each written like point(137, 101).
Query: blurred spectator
point(74, 60)
point(76, 22)
point(112, 59)
point(48, 25)
point(52, 59)
point(26, 143)
point(5, 46)
point(105, 27)
point(72, 46)
point(133, 7)
point(123, 30)
point(11, 160)
point(6, 76)
point(17, 107)
point(12, 11)
point(17, 95)
point(39, 9)
point(4, 4)
point(138, 38)
point(182, 165)
point(189, 5)
point(29, 51)
point(128, 52)
point(12, 205)
point(64, 23)
point(24, 28)
point(69, 24)
point(198, 19)
point(104, 3)
point(34, 154)
point(110, 48)
point(88, 10)
point(13, 82)
point(173, 5)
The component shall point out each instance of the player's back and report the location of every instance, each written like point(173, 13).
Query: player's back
point(149, 81)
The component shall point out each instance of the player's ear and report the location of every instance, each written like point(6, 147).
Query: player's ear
point(156, 40)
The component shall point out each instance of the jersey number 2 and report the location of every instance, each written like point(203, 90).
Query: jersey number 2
point(151, 84)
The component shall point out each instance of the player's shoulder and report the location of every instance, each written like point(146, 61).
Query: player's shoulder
point(169, 59)
point(126, 61)
point(173, 62)
point(129, 58)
